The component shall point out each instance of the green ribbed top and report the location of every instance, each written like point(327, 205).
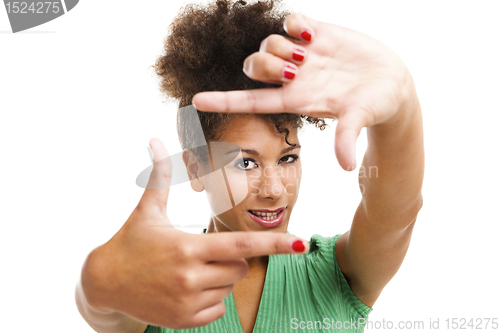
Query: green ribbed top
point(301, 293)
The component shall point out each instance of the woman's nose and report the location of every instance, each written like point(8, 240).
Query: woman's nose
point(271, 184)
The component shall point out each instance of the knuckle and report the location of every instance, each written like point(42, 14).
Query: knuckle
point(184, 252)
point(244, 246)
point(220, 310)
point(187, 281)
point(252, 101)
point(270, 43)
point(267, 69)
point(275, 41)
point(277, 247)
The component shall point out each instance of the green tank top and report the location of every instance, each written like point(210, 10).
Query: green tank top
point(301, 293)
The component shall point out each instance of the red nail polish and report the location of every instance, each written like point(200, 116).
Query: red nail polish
point(289, 72)
point(306, 36)
point(298, 55)
point(298, 246)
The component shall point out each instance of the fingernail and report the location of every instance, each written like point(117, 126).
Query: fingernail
point(298, 55)
point(306, 36)
point(298, 246)
point(289, 72)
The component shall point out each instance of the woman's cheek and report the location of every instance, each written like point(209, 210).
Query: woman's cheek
point(226, 188)
point(238, 185)
point(218, 195)
point(291, 180)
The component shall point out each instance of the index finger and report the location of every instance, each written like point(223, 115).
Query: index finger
point(269, 100)
point(236, 245)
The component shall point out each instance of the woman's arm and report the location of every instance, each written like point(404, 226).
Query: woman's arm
point(390, 179)
point(354, 78)
point(162, 276)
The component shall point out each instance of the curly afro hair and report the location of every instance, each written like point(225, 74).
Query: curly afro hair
point(205, 50)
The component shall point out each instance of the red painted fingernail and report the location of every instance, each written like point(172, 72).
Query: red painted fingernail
point(306, 36)
point(289, 72)
point(298, 246)
point(298, 55)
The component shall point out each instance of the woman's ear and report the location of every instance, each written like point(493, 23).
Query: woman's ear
point(193, 170)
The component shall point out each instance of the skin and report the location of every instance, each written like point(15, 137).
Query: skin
point(151, 273)
point(351, 77)
point(180, 280)
point(272, 167)
point(277, 186)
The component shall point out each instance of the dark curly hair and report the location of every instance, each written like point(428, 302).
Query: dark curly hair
point(205, 50)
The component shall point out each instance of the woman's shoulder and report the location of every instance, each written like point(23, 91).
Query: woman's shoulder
point(319, 242)
point(320, 271)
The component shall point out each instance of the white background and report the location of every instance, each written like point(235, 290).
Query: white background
point(79, 105)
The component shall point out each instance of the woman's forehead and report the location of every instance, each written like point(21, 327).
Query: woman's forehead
point(255, 130)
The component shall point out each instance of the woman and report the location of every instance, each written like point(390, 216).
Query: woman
point(146, 278)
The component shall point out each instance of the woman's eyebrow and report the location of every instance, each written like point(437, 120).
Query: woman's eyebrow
point(286, 150)
point(250, 151)
point(256, 153)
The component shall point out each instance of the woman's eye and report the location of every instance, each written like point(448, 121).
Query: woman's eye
point(246, 164)
point(289, 159)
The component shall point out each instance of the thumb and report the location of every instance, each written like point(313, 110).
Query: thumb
point(156, 192)
point(346, 134)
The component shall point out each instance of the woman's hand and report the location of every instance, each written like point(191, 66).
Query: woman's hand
point(344, 75)
point(158, 275)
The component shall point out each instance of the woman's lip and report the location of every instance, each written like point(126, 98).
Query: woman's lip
point(268, 210)
point(269, 223)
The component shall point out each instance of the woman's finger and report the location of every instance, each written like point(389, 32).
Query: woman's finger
point(299, 26)
point(266, 67)
point(219, 274)
point(235, 245)
point(210, 297)
point(208, 315)
point(346, 134)
point(269, 100)
point(156, 193)
point(283, 48)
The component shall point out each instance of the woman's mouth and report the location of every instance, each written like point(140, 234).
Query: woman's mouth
point(268, 218)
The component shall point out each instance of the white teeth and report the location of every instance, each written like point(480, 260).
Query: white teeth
point(266, 215)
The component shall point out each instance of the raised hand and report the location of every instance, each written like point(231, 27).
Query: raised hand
point(158, 275)
point(332, 72)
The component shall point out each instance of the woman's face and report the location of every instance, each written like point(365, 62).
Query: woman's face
point(263, 180)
